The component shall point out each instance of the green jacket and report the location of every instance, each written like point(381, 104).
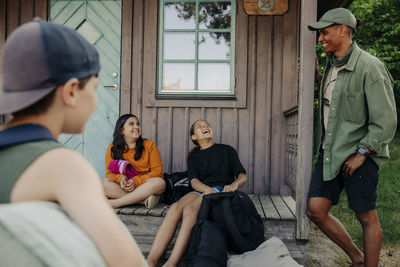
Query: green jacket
point(362, 113)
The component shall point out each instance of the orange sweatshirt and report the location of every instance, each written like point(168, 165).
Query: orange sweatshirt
point(148, 166)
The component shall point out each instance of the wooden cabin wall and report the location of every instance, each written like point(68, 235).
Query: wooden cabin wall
point(254, 124)
point(14, 13)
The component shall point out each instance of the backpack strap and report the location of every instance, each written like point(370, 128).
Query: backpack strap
point(221, 208)
point(236, 234)
point(230, 223)
point(204, 209)
point(24, 133)
point(208, 202)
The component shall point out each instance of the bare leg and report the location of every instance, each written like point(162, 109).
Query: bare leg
point(318, 212)
point(112, 189)
point(168, 227)
point(189, 218)
point(153, 186)
point(372, 237)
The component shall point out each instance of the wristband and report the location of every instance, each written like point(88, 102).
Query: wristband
point(363, 152)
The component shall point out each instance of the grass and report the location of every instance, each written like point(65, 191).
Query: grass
point(388, 202)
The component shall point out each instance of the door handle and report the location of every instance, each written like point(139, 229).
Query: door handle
point(114, 86)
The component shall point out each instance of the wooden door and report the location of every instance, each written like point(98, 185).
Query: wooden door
point(99, 21)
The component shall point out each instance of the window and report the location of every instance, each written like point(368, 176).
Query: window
point(196, 47)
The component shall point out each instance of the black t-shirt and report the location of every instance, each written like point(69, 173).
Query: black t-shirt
point(216, 165)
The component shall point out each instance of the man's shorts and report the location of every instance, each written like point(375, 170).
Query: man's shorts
point(361, 187)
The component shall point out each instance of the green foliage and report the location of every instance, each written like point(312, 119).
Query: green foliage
point(211, 15)
point(380, 35)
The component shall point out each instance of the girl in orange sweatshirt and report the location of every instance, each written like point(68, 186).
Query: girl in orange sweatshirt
point(129, 145)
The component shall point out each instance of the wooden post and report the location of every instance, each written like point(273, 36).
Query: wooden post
point(306, 102)
point(126, 58)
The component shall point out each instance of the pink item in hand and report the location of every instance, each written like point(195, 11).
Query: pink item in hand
point(122, 167)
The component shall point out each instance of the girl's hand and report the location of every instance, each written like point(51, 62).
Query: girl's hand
point(230, 187)
point(130, 185)
point(122, 181)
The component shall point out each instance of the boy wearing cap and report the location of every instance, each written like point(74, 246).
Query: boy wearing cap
point(49, 81)
point(356, 120)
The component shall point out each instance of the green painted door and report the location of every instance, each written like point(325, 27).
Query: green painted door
point(99, 21)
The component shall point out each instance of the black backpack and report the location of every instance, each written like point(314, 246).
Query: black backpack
point(177, 185)
point(207, 246)
point(235, 214)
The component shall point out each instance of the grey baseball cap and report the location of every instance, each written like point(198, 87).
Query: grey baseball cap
point(37, 57)
point(339, 16)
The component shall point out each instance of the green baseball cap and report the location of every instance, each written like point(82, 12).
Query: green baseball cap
point(335, 16)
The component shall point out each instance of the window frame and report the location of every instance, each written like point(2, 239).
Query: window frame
point(196, 93)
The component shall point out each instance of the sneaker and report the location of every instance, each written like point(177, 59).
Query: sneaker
point(151, 201)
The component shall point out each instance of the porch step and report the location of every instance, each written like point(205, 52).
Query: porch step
point(277, 212)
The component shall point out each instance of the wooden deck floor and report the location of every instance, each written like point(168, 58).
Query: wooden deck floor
point(269, 207)
point(277, 212)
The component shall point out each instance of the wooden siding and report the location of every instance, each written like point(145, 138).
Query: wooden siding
point(253, 123)
point(14, 13)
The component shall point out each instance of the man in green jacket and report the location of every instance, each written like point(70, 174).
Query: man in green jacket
point(356, 121)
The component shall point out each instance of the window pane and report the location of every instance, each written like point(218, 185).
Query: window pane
point(215, 15)
point(214, 45)
point(178, 76)
point(179, 15)
point(179, 45)
point(214, 76)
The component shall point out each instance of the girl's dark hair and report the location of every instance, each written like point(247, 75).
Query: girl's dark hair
point(119, 145)
point(196, 144)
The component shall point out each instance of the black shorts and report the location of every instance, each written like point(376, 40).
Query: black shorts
point(361, 187)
